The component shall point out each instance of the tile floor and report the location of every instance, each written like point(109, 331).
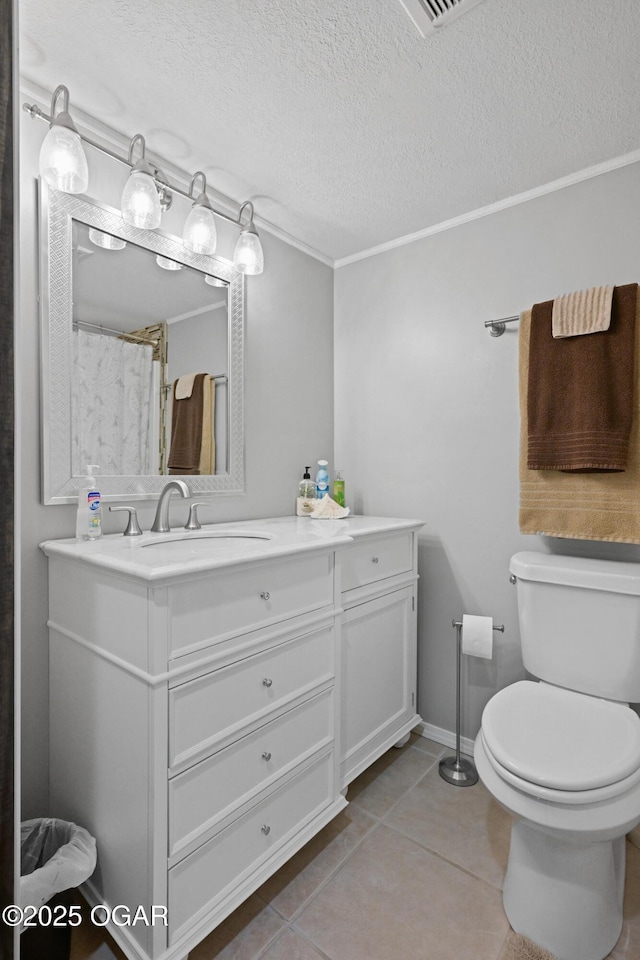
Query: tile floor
point(412, 868)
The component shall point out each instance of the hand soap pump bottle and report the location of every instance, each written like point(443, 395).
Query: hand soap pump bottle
point(306, 495)
point(89, 515)
point(338, 488)
point(322, 479)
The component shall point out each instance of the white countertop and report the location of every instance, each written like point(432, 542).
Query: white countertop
point(158, 556)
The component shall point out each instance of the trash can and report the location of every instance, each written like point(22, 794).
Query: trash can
point(55, 857)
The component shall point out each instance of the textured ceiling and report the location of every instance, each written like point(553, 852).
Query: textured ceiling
point(343, 124)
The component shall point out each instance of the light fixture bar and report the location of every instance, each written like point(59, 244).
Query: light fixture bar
point(36, 113)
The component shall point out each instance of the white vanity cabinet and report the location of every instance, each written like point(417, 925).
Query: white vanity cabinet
point(206, 714)
point(378, 656)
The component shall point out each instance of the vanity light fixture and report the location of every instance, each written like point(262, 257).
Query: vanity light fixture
point(147, 193)
point(140, 203)
point(248, 256)
point(200, 234)
point(105, 240)
point(63, 163)
point(168, 264)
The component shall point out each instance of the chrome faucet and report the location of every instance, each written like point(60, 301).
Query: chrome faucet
point(161, 522)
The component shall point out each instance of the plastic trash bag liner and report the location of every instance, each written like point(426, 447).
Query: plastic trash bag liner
point(54, 856)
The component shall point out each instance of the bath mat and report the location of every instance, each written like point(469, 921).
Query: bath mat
point(518, 947)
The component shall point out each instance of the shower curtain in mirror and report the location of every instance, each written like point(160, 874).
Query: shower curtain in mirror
point(112, 396)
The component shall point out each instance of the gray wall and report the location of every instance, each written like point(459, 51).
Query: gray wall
point(427, 420)
point(288, 364)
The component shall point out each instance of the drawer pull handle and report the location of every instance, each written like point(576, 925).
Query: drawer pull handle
point(375, 560)
point(266, 755)
point(265, 595)
point(266, 829)
point(267, 682)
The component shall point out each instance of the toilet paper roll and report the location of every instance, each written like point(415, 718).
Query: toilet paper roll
point(477, 636)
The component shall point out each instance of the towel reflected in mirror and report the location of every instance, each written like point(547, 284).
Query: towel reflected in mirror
point(192, 449)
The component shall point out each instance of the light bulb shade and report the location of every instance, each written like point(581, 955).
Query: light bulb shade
point(168, 264)
point(215, 281)
point(106, 240)
point(200, 234)
point(140, 202)
point(248, 256)
point(63, 163)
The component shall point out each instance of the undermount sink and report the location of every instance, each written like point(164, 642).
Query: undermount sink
point(202, 539)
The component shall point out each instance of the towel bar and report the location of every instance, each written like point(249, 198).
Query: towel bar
point(497, 327)
point(219, 381)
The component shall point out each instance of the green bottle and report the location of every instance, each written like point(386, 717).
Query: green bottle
point(338, 488)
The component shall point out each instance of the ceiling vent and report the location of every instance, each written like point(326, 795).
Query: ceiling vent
point(430, 15)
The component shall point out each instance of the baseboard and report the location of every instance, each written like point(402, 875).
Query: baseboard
point(446, 737)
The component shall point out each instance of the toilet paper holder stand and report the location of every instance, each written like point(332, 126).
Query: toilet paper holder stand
point(458, 770)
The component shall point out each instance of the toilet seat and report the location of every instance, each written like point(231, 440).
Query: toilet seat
point(560, 745)
point(573, 797)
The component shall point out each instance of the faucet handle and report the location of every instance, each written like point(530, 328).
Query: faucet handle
point(133, 527)
point(193, 523)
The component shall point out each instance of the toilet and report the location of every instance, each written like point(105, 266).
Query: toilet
point(562, 753)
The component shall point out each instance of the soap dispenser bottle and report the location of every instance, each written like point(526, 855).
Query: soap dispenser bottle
point(307, 495)
point(322, 479)
point(89, 514)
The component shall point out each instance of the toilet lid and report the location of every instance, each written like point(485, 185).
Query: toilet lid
point(561, 739)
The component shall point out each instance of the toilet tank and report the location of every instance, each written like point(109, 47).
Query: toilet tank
point(580, 622)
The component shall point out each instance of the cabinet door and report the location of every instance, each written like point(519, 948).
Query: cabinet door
point(378, 661)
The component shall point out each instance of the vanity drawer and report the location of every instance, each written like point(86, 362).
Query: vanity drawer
point(207, 792)
point(207, 874)
point(233, 602)
point(218, 706)
point(376, 559)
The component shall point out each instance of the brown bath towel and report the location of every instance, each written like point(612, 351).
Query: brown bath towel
point(580, 391)
point(581, 506)
point(186, 430)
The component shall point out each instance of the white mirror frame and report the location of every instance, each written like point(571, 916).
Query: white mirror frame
point(56, 213)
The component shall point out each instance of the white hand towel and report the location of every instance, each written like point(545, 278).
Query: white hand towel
point(184, 386)
point(586, 311)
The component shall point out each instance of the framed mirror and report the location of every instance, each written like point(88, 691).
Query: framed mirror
point(128, 317)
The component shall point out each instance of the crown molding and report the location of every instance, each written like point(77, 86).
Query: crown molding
point(117, 142)
point(586, 174)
